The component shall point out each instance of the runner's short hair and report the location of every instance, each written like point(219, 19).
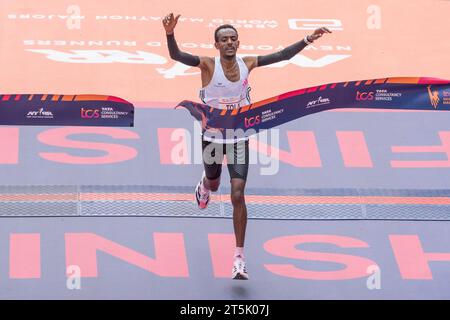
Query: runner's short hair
point(224, 26)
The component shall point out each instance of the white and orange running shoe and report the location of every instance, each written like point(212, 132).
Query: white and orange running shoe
point(202, 194)
point(239, 269)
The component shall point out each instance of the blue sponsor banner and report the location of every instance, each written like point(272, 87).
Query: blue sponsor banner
point(65, 110)
point(389, 93)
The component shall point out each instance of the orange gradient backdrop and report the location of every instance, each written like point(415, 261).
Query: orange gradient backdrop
point(376, 39)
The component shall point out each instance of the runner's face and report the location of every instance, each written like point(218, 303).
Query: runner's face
point(228, 43)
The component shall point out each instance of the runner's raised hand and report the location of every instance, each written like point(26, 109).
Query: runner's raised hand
point(318, 33)
point(169, 22)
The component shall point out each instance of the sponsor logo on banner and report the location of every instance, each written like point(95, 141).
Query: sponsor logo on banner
point(270, 115)
point(386, 95)
point(364, 96)
point(446, 95)
point(90, 113)
point(110, 113)
point(318, 102)
point(378, 95)
point(252, 121)
point(40, 114)
point(103, 113)
point(434, 97)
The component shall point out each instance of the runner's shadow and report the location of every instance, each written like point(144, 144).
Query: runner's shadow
point(239, 291)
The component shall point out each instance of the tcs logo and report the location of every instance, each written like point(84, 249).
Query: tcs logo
point(363, 96)
point(250, 122)
point(90, 113)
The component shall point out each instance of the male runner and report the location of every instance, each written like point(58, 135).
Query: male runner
point(225, 86)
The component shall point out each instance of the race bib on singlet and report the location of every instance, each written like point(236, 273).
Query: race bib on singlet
point(232, 103)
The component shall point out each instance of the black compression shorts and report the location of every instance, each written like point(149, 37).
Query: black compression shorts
point(237, 158)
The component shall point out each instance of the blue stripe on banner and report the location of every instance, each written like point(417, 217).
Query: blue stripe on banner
point(391, 93)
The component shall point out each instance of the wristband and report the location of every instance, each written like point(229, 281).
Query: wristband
point(306, 40)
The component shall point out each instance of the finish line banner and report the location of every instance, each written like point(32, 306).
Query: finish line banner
point(65, 110)
point(388, 93)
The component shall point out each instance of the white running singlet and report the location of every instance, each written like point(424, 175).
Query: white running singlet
point(222, 93)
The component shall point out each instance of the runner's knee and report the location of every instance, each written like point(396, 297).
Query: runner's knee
point(213, 184)
point(237, 197)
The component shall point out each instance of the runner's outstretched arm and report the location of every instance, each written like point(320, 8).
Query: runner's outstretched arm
point(169, 23)
point(288, 52)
